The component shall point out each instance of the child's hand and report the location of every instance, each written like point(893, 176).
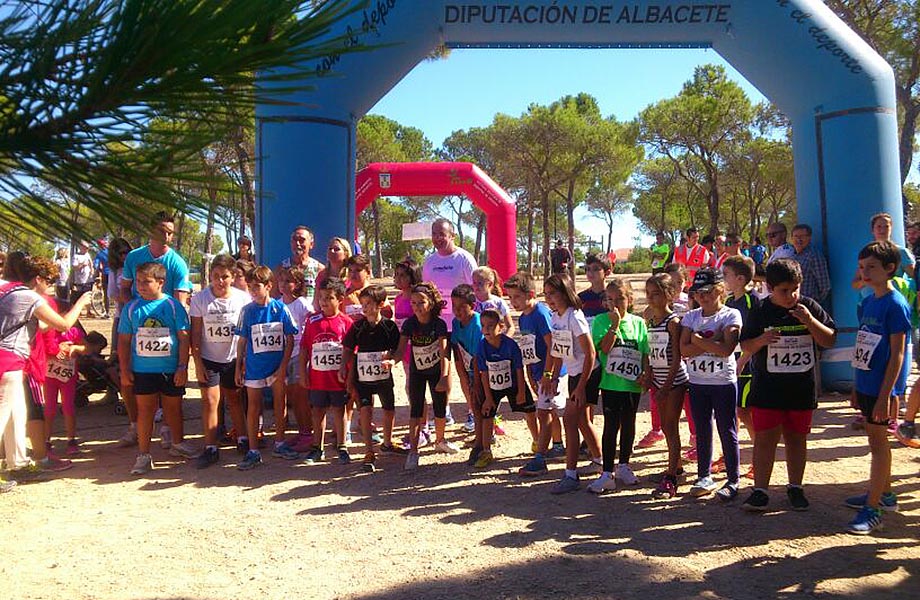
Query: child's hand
point(443, 384)
point(127, 378)
point(579, 397)
point(238, 377)
point(342, 373)
point(802, 314)
point(180, 378)
point(487, 407)
point(770, 336)
point(880, 411)
point(388, 364)
point(305, 378)
point(853, 401)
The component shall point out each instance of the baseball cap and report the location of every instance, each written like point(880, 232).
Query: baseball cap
point(705, 279)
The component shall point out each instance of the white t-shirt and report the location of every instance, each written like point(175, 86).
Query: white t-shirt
point(83, 268)
point(220, 316)
point(709, 369)
point(63, 270)
point(447, 272)
point(493, 302)
point(566, 329)
point(300, 309)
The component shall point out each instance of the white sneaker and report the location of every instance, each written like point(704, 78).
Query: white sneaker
point(592, 468)
point(143, 464)
point(604, 483)
point(184, 449)
point(158, 415)
point(128, 439)
point(411, 462)
point(446, 448)
point(165, 437)
point(625, 474)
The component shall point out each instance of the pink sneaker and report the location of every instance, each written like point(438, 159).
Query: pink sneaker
point(892, 426)
point(303, 443)
point(717, 466)
point(651, 438)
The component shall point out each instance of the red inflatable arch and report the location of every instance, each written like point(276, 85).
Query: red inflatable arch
point(449, 179)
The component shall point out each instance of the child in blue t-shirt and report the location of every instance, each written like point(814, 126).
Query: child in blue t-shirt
point(465, 336)
point(266, 339)
point(153, 353)
point(884, 325)
point(501, 369)
point(534, 326)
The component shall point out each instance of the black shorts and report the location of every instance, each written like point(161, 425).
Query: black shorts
point(592, 387)
point(328, 398)
point(867, 405)
point(511, 394)
point(744, 390)
point(35, 399)
point(222, 374)
point(384, 391)
point(146, 384)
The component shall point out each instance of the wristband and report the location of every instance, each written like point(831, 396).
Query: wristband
point(548, 374)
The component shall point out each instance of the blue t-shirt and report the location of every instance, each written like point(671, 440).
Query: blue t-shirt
point(101, 262)
point(592, 303)
point(467, 338)
point(757, 253)
point(176, 270)
point(538, 324)
point(153, 326)
point(264, 351)
point(507, 350)
point(882, 316)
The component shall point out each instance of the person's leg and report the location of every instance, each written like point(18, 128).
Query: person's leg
point(531, 419)
point(253, 411)
point(670, 405)
point(339, 424)
point(725, 402)
point(439, 405)
point(796, 455)
point(387, 395)
point(416, 388)
point(701, 409)
point(571, 422)
point(172, 414)
point(210, 401)
point(297, 394)
point(880, 471)
point(51, 387)
point(688, 412)
point(13, 419)
point(545, 418)
point(279, 408)
point(35, 425)
point(765, 455)
point(611, 429)
point(556, 428)
point(367, 415)
point(146, 407)
point(586, 424)
point(628, 405)
point(233, 397)
point(69, 408)
point(655, 410)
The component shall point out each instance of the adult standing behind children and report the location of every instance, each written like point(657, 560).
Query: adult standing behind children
point(816, 281)
point(691, 254)
point(176, 284)
point(302, 242)
point(448, 266)
point(776, 239)
point(82, 271)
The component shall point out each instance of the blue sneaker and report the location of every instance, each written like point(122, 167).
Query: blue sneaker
point(284, 451)
point(344, 456)
point(449, 421)
point(252, 460)
point(867, 520)
point(556, 452)
point(314, 456)
point(565, 485)
point(470, 425)
point(535, 466)
point(889, 502)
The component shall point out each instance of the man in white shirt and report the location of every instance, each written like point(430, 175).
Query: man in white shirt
point(448, 266)
point(82, 271)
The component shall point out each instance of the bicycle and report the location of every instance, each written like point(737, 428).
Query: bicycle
point(98, 304)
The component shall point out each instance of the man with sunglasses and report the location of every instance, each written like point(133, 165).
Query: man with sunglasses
point(776, 239)
point(177, 283)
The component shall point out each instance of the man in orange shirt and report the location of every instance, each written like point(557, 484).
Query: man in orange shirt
point(691, 254)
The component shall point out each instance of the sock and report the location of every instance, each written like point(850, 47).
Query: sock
point(571, 473)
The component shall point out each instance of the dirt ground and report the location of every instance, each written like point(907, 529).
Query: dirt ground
point(446, 531)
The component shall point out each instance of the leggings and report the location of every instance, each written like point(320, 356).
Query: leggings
point(721, 400)
point(68, 393)
point(417, 383)
point(619, 417)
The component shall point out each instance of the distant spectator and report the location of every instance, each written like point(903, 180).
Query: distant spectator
point(913, 238)
point(661, 252)
point(691, 254)
point(757, 252)
point(82, 271)
point(62, 287)
point(779, 247)
point(816, 281)
point(244, 250)
point(101, 268)
point(560, 258)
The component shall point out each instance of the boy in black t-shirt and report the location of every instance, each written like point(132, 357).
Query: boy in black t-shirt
point(782, 335)
point(369, 346)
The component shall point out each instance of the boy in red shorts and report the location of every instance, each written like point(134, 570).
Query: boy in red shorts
point(783, 336)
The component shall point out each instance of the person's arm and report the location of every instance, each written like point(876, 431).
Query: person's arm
point(722, 347)
point(181, 376)
point(521, 386)
point(488, 401)
point(674, 367)
point(195, 343)
point(124, 359)
point(348, 357)
point(508, 322)
point(240, 361)
point(281, 373)
point(47, 315)
point(687, 348)
point(444, 382)
point(610, 337)
point(578, 394)
point(462, 373)
point(823, 335)
point(892, 371)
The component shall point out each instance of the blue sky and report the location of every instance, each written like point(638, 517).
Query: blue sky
point(471, 86)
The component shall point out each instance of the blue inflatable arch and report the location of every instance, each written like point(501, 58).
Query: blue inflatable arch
point(838, 93)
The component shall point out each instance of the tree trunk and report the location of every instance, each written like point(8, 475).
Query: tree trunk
point(544, 203)
point(208, 233)
point(713, 203)
point(570, 217)
point(378, 251)
point(480, 229)
point(530, 228)
point(248, 200)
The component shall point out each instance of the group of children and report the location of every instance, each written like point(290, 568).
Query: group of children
point(735, 355)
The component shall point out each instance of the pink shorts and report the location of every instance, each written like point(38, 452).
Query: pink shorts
point(765, 419)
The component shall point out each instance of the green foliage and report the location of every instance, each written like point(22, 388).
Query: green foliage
point(640, 261)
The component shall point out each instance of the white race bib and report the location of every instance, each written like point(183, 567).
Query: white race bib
point(499, 374)
point(466, 357)
point(326, 356)
point(62, 370)
point(624, 362)
point(426, 357)
point(658, 344)
point(153, 342)
point(562, 344)
point(791, 354)
point(217, 329)
point(866, 344)
point(267, 337)
point(371, 367)
point(707, 367)
point(528, 345)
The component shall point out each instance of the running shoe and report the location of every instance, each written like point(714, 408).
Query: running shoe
point(535, 466)
point(625, 474)
point(565, 485)
point(445, 447)
point(128, 439)
point(907, 435)
point(867, 520)
point(252, 460)
point(369, 464)
point(165, 437)
point(470, 425)
point(142, 464)
point(376, 438)
point(449, 419)
point(391, 449)
point(52, 464)
point(282, 450)
point(892, 426)
point(889, 502)
point(659, 477)
point(758, 501)
point(604, 483)
point(184, 449)
point(592, 468)
point(703, 487)
point(29, 472)
point(797, 499)
point(717, 466)
point(667, 487)
point(242, 445)
point(690, 454)
point(651, 438)
point(303, 443)
point(207, 458)
point(7, 486)
point(485, 459)
point(556, 452)
point(411, 462)
point(475, 451)
point(497, 426)
point(314, 456)
point(344, 456)
point(73, 447)
point(728, 492)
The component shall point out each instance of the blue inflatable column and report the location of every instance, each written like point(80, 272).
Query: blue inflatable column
point(306, 176)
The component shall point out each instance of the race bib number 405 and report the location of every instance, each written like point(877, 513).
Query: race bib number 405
point(153, 342)
point(791, 354)
point(499, 374)
point(267, 337)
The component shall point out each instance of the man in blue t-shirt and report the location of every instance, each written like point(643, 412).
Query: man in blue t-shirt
point(177, 283)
